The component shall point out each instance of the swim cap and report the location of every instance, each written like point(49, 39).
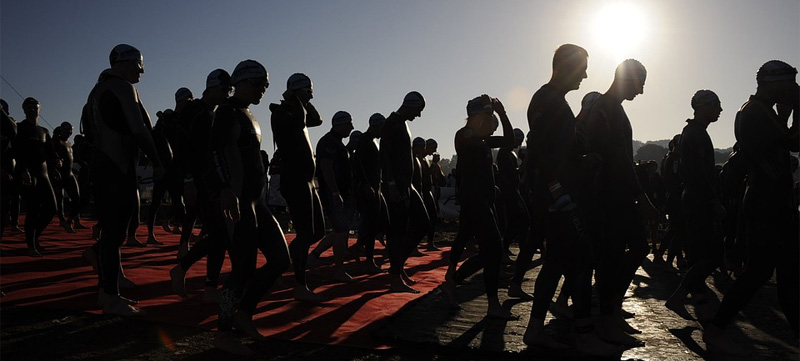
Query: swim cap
point(341, 117)
point(299, 81)
point(183, 94)
point(66, 124)
point(479, 105)
point(414, 100)
point(125, 52)
point(775, 70)
point(431, 143)
point(249, 69)
point(376, 119)
point(518, 135)
point(589, 99)
point(218, 77)
point(630, 69)
point(355, 135)
point(418, 142)
point(703, 97)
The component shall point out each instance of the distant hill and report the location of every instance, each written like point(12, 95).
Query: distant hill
point(720, 155)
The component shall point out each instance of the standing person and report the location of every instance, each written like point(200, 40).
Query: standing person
point(621, 203)
point(8, 186)
point(67, 213)
point(673, 240)
point(36, 167)
point(437, 174)
point(397, 162)
point(769, 209)
point(290, 121)
point(369, 196)
point(200, 114)
point(701, 205)
point(557, 182)
point(238, 178)
point(120, 126)
point(477, 219)
point(517, 217)
point(426, 190)
point(335, 179)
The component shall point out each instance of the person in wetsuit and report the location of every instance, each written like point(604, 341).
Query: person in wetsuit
point(238, 179)
point(517, 219)
point(119, 127)
point(35, 168)
point(397, 164)
point(290, 121)
point(370, 202)
point(199, 116)
point(335, 179)
point(426, 189)
point(701, 205)
point(8, 185)
point(769, 210)
point(67, 213)
point(621, 206)
point(477, 219)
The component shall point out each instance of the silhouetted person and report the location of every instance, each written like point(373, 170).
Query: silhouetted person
point(239, 179)
point(67, 211)
point(517, 219)
point(120, 126)
point(8, 185)
point(770, 213)
point(474, 143)
point(335, 180)
point(368, 194)
point(290, 119)
point(701, 205)
point(36, 166)
point(622, 205)
point(200, 115)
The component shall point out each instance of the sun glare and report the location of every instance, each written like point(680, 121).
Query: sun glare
point(619, 28)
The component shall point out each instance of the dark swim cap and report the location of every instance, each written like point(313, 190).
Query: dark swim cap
point(249, 69)
point(376, 119)
point(418, 142)
point(218, 77)
point(775, 70)
point(299, 81)
point(29, 101)
point(414, 100)
point(183, 94)
point(125, 52)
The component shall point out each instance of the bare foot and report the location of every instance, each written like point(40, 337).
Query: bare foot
point(498, 311)
point(611, 333)
point(406, 279)
point(115, 305)
point(532, 338)
point(677, 304)
point(515, 291)
point(397, 285)
point(302, 293)
point(178, 277)
point(244, 322)
point(132, 241)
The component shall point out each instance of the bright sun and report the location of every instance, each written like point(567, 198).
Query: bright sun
point(619, 28)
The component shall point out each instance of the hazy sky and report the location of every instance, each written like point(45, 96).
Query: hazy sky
point(364, 56)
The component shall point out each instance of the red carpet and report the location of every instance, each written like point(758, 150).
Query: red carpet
point(355, 311)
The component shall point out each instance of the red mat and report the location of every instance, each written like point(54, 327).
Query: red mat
point(354, 312)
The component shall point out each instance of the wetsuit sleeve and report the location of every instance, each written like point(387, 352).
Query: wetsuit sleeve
point(507, 140)
point(224, 136)
point(551, 141)
point(129, 101)
point(313, 119)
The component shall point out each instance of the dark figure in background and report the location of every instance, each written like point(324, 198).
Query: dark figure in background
point(216, 240)
point(701, 205)
point(622, 205)
point(335, 178)
point(477, 219)
point(426, 190)
point(770, 213)
point(437, 174)
point(82, 156)
point(733, 181)
point(239, 179)
point(67, 211)
point(118, 127)
point(397, 162)
point(517, 220)
point(369, 198)
point(675, 237)
point(36, 165)
point(8, 186)
point(290, 121)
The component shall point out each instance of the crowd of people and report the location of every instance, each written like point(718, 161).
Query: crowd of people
point(575, 195)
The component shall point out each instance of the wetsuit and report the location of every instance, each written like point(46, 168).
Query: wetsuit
point(35, 155)
point(426, 192)
point(165, 134)
point(770, 213)
point(554, 159)
point(237, 165)
point(119, 126)
point(369, 197)
point(68, 183)
point(699, 194)
point(419, 219)
point(477, 217)
point(517, 217)
point(9, 189)
point(331, 148)
point(623, 235)
point(675, 237)
point(289, 121)
point(217, 240)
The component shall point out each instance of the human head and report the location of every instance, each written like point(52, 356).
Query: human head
point(418, 146)
point(706, 105)
point(480, 115)
point(31, 108)
point(629, 77)
point(182, 95)
point(251, 81)
point(569, 66)
point(413, 104)
point(589, 99)
point(342, 123)
point(777, 81)
point(376, 124)
point(519, 136)
point(218, 85)
point(431, 145)
point(66, 130)
point(352, 142)
point(302, 86)
point(127, 62)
